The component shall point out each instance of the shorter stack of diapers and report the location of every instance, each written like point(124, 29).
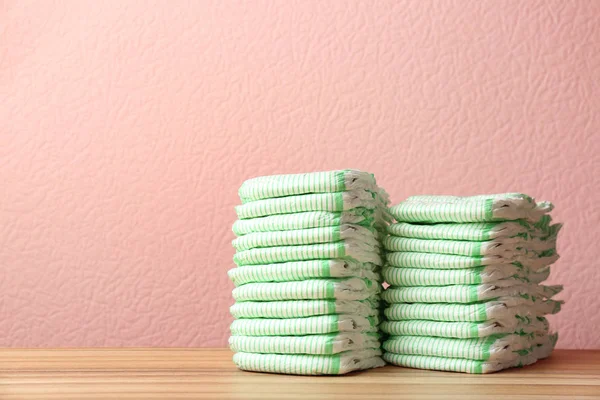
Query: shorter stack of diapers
point(308, 256)
point(466, 279)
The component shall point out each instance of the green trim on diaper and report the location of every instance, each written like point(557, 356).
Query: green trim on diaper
point(329, 344)
point(482, 312)
point(330, 290)
point(340, 178)
point(474, 293)
point(489, 212)
point(474, 330)
point(336, 235)
point(331, 307)
point(488, 344)
point(476, 249)
point(339, 201)
point(487, 231)
point(326, 268)
point(341, 248)
point(335, 365)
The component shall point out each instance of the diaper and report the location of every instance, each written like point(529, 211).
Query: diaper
point(332, 202)
point(465, 330)
point(317, 325)
point(332, 343)
point(341, 289)
point(350, 249)
point(482, 231)
point(485, 208)
point(506, 247)
point(304, 308)
point(492, 348)
point(307, 236)
point(302, 270)
point(448, 261)
point(305, 220)
point(315, 182)
point(468, 276)
point(478, 312)
point(341, 363)
point(467, 293)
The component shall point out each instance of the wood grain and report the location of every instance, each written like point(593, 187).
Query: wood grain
point(210, 374)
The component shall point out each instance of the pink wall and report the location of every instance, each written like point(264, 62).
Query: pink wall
point(127, 128)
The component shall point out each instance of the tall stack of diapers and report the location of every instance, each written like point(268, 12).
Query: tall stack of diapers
point(466, 279)
point(308, 283)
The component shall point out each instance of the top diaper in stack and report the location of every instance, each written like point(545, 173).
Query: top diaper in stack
point(308, 256)
point(466, 279)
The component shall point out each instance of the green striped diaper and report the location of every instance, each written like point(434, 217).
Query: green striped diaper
point(332, 343)
point(450, 261)
point(465, 330)
point(491, 348)
point(304, 308)
point(302, 270)
point(485, 208)
point(352, 249)
point(482, 231)
point(506, 247)
point(265, 187)
point(307, 236)
point(340, 289)
point(332, 202)
point(341, 363)
point(477, 312)
point(467, 293)
point(468, 276)
point(304, 326)
point(305, 220)
point(540, 351)
point(472, 231)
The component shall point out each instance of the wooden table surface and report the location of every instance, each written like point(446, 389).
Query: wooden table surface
point(210, 374)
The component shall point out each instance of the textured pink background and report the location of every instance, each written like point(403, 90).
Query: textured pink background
point(127, 128)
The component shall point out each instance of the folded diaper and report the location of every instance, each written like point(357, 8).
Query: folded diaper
point(304, 308)
point(305, 220)
point(539, 351)
point(341, 363)
point(478, 312)
point(472, 231)
point(482, 231)
point(441, 277)
point(496, 207)
point(352, 249)
point(332, 343)
point(341, 289)
point(449, 261)
point(466, 293)
point(465, 330)
point(332, 202)
point(302, 270)
point(307, 236)
point(492, 348)
point(316, 182)
point(505, 247)
point(304, 326)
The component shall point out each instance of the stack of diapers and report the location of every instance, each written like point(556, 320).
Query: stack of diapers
point(466, 283)
point(308, 276)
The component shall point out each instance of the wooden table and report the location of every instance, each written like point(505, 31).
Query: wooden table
point(210, 374)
